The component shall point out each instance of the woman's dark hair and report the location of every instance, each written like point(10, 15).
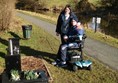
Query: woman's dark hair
point(67, 6)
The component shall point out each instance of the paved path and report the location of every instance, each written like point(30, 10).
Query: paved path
point(101, 51)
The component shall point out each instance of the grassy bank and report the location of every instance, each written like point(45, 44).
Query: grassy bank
point(44, 44)
point(46, 17)
point(98, 36)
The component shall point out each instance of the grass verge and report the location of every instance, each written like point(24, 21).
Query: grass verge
point(44, 44)
point(102, 37)
point(46, 17)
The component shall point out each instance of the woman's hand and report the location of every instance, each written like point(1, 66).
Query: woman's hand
point(79, 25)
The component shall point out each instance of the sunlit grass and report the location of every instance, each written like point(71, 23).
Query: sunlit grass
point(49, 18)
point(44, 44)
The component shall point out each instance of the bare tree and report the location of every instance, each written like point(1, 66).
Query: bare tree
point(6, 13)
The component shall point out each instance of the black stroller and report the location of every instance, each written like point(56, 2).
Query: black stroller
point(75, 54)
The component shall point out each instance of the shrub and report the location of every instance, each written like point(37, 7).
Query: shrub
point(6, 13)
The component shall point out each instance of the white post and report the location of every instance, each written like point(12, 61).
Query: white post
point(98, 20)
point(93, 20)
point(11, 47)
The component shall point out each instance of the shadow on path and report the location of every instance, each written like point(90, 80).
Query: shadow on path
point(3, 41)
point(28, 51)
point(45, 55)
point(2, 54)
point(14, 35)
point(0, 78)
point(32, 52)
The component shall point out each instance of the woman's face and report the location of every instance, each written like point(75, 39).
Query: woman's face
point(67, 10)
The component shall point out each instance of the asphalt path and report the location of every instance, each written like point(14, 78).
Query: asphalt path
point(101, 51)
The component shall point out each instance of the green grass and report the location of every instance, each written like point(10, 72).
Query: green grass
point(44, 44)
point(102, 37)
point(90, 33)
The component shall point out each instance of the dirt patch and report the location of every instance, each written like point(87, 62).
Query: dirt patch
point(33, 63)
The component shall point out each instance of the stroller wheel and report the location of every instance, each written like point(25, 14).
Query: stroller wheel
point(82, 45)
point(75, 68)
point(89, 67)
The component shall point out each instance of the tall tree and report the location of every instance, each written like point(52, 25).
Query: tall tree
point(85, 6)
point(112, 5)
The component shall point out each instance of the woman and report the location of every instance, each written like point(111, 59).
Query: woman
point(63, 22)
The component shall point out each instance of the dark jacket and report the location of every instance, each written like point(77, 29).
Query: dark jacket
point(73, 31)
point(60, 22)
